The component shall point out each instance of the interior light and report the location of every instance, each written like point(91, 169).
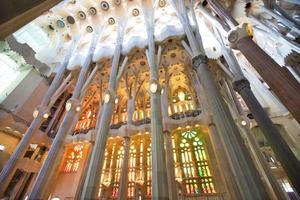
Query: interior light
point(243, 122)
point(78, 108)
point(2, 147)
point(46, 115)
point(181, 95)
point(106, 98)
point(153, 87)
point(35, 113)
point(68, 106)
point(116, 101)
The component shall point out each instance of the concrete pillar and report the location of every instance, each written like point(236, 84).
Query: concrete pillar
point(224, 165)
point(40, 114)
point(281, 149)
point(159, 170)
point(130, 110)
point(49, 169)
point(124, 173)
point(164, 103)
point(282, 82)
point(92, 180)
point(247, 176)
point(170, 166)
point(271, 183)
point(277, 142)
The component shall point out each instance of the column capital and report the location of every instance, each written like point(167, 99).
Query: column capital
point(199, 59)
point(241, 84)
point(237, 33)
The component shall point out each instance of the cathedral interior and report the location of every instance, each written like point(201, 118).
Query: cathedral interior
point(150, 99)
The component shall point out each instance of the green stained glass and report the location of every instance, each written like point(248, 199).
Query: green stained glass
point(195, 143)
point(189, 134)
point(196, 139)
point(183, 140)
point(181, 145)
point(200, 171)
point(200, 142)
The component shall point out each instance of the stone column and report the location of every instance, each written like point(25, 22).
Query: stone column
point(159, 170)
point(92, 180)
point(275, 191)
point(124, 173)
point(223, 163)
point(284, 85)
point(246, 175)
point(170, 166)
point(283, 153)
point(48, 171)
point(40, 115)
point(277, 142)
point(130, 110)
point(164, 103)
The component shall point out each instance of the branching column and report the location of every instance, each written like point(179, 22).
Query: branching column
point(124, 172)
point(165, 94)
point(276, 141)
point(247, 176)
point(92, 181)
point(284, 85)
point(49, 169)
point(282, 151)
point(170, 166)
point(132, 91)
point(224, 164)
point(159, 171)
point(40, 114)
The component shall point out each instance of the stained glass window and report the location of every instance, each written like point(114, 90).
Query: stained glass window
point(149, 171)
point(191, 161)
point(194, 161)
point(132, 166)
point(111, 171)
point(189, 134)
point(73, 158)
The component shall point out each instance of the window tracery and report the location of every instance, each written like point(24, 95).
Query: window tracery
point(191, 161)
point(73, 158)
point(196, 175)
